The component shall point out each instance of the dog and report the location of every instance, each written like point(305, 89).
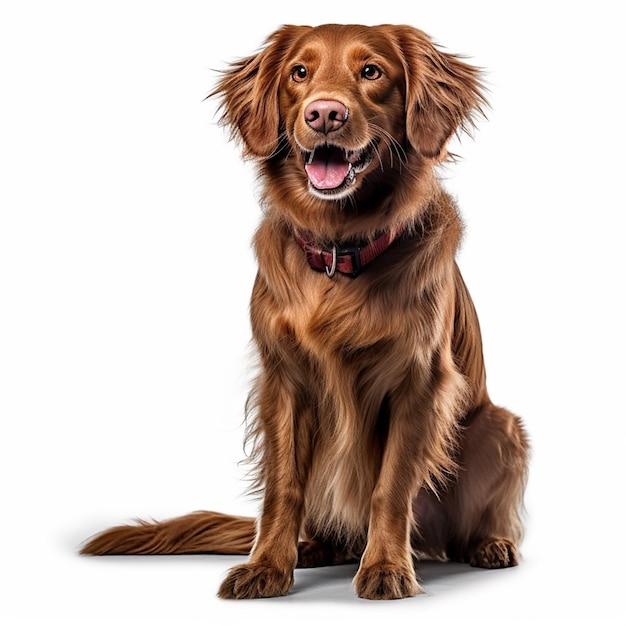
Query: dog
point(375, 440)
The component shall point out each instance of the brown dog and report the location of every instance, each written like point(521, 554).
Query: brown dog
point(374, 434)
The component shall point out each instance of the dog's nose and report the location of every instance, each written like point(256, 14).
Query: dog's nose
point(324, 116)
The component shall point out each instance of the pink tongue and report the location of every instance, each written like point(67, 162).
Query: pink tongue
point(328, 168)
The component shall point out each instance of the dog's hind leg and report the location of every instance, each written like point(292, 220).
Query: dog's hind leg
point(484, 507)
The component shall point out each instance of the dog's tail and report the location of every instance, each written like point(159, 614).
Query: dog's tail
point(200, 532)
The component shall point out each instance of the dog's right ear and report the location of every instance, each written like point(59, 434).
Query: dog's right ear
point(249, 93)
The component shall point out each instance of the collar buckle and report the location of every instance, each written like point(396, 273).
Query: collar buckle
point(349, 258)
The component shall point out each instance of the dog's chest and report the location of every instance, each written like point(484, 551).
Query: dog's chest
point(330, 318)
point(313, 316)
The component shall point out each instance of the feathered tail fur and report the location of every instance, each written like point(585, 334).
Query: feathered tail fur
point(200, 532)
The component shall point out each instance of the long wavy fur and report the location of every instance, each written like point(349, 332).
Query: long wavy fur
point(372, 433)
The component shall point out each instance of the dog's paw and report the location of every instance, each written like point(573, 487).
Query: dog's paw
point(255, 581)
point(494, 554)
point(386, 582)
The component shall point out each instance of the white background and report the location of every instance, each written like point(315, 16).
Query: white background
point(125, 271)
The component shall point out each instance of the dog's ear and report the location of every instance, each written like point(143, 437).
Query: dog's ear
point(443, 94)
point(249, 93)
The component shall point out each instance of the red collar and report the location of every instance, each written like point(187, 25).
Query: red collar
point(348, 259)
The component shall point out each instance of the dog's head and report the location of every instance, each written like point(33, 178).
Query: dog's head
point(342, 102)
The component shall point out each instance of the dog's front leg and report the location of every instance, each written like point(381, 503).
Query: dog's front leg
point(386, 571)
point(420, 428)
point(269, 571)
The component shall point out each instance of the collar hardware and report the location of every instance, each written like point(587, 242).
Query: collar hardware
point(348, 259)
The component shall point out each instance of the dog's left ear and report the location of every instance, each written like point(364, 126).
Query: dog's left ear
point(443, 94)
point(249, 92)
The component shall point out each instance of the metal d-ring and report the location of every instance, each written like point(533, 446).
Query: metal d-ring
point(333, 268)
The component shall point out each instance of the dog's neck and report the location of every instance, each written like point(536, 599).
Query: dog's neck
point(346, 258)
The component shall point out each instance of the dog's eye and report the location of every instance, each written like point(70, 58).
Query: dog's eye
point(298, 73)
point(371, 72)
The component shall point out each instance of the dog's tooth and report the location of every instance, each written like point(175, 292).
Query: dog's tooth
point(311, 156)
point(353, 156)
point(351, 176)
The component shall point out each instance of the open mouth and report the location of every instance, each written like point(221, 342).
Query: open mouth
point(331, 169)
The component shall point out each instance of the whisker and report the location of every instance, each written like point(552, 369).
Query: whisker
point(394, 146)
point(380, 159)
